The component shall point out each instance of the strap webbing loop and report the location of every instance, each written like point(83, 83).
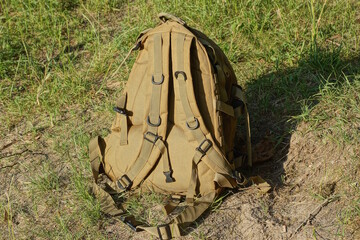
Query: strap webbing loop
point(153, 124)
point(225, 108)
point(192, 124)
point(182, 73)
point(157, 79)
point(194, 177)
point(238, 93)
point(121, 110)
point(157, 83)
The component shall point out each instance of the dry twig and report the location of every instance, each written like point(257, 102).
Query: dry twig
point(313, 214)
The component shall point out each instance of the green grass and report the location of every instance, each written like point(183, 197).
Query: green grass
point(147, 207)
point(299, 60)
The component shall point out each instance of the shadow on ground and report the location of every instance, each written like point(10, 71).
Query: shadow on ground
point(280, 99)
point(278, 102)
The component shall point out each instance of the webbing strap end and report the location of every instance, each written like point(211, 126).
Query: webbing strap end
point(161, 233)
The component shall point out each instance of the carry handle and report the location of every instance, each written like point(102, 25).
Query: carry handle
point(166, 16)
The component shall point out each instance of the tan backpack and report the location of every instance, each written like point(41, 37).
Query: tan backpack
point(174, 129)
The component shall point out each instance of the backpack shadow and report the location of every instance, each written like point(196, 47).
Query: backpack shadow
point(278, 99)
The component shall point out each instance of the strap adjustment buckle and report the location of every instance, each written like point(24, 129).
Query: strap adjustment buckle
point(124, 182)
point(129, 223)
point(120, 110)
point(177, 198)
point(151, 137)
point(167, 230)
point(204, 146)
point(168, 176)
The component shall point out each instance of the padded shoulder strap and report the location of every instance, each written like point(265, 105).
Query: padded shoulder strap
point(206, 150)
point(156, 122)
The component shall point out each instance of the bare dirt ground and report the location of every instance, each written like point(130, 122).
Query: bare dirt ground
point(306, 201)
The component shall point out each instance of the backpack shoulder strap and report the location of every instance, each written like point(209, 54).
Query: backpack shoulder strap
point(156, 122)
point(104, 189)
point(206, 150)
point(183, 220)
point(96, 154)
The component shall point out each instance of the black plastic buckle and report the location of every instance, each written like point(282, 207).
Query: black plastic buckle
point(156, 137)
point(168, 176)
point(203, 151)
point(182, 73)
point(167, 229)
point(235, 103)
point(129, 223)
point(120, 110)
point(124, 183)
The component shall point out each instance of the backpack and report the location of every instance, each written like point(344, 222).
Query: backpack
point(174, 128)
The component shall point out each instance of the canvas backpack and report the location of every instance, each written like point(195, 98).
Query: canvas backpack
point(174, 128)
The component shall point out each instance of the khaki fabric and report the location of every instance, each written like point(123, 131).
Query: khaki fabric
point(175, 124)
